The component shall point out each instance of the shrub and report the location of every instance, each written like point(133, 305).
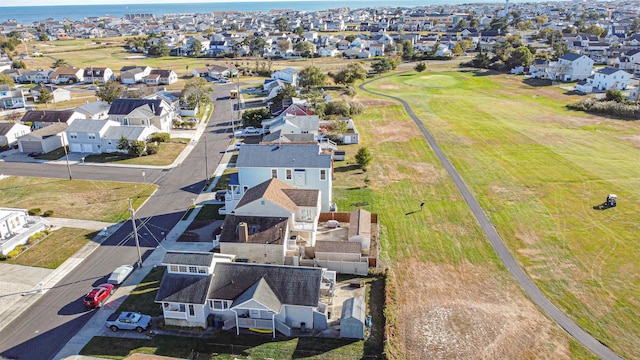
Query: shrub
point(160, 137)
point(34, 211)
point(612, 108)
point(15, 252)
point(47, 213)
point(351, 91)
point(152, 148)
point(356, 108)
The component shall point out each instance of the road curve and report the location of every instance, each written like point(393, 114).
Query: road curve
point(500, 248)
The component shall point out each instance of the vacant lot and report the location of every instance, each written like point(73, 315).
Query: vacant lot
point(76, 199)
point(167, 153)
point(538, 170)
point(55, 248)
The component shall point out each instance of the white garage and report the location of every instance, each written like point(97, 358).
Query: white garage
point(43, 140)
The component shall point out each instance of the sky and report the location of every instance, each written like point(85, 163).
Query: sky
point(114, 2)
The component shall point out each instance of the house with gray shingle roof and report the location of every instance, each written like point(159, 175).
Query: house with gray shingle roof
point(43, 140)
point(85, 135)
point(299, 165)
point(98, 110)
point(271, 222)
point(142, 112)
point(9, 133)
point(238, 295)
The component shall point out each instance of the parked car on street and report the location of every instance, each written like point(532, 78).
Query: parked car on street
point(120, 274)
point(128, 320)
point(98, 296)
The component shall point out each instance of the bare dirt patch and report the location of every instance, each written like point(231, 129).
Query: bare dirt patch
point(393, 132)
point(633, 139)
point(403, 169)
point(369, 102)
point(389, 87)
point(468, 312)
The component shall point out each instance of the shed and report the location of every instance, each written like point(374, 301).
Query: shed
point(352, 321)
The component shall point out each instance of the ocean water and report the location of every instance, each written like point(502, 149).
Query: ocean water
point(29, 14)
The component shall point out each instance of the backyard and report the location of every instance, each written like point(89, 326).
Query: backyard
point(538, 170)
point(75, 199)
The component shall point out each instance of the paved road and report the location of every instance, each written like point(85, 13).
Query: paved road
point(42, 330)
point(498, 245)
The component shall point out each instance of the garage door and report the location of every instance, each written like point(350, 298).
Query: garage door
point(75, 147)
point(87, 148)
point(31, 146)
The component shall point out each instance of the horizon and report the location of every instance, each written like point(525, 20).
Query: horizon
point(34, 3)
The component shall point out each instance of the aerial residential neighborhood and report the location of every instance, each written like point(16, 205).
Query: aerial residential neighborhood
point(400, 182)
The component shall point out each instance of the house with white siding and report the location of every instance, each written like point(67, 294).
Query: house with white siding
point(142, 112)
point(16, 226)
point(200, 289)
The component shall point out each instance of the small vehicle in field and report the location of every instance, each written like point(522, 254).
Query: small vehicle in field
point(128, 320)
point(120, 274)
point(98, 296)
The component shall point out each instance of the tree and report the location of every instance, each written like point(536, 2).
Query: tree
point(540, 20)
point(614, 95)
point(408, 51)
point(281, 24)
point(520, 57)
point(196, 92)
point(123, 144)
point(420, 67)
point(284, 45)
point(288, 91)
point(195, 48)
point(499, 24)
point(350, 38)
point(382, 66)
point(481, 61)
point(110, 91)
point(595, 30)
point(58, 63)
point(305, 48)
point(461, 24)
point(254, 117)
point(18, 65)
point(160, 49)
point(559, 49)
point(7, 80)
point(363, 158)
point(299, 31)
point(350, 74)
point(339, 127)
point(45, 96)
point(137, 148)
point(311, 76)
point(457, 50)
point(474, 22)
point(44, 37)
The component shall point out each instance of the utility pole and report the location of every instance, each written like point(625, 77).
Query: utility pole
point(66, 154)
point(135, 232)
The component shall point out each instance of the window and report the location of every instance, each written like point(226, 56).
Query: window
point(173, 268)
point(192, 311)
point(92, 136)
point(193, 269)
point(202, 270)
point(306, 214)
point(218, 304)
point(323, 174)
point(274, 173)
point(183, 269)
point(73, 135)
point(289, 174)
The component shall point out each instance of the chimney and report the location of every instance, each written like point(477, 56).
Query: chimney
point(243, 232)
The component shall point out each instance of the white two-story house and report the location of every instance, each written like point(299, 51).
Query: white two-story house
point(299, 165)
point(611, 78)
point(201, 289)
point(142, 112)
point(571, 67)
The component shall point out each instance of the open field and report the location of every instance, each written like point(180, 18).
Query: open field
point(57, 247)
point(76, 199)
point(538, 170)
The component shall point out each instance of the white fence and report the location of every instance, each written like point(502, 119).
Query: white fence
point(344, 267)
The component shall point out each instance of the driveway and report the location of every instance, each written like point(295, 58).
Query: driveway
point(498, 245)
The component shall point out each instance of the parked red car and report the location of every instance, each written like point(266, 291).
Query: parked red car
point(98, 295)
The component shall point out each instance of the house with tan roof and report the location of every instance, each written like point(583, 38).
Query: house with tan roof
point(67, 75)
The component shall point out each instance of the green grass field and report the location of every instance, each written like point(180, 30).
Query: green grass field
point(75, 199)
point(167, 153)
point(57, 247)
point(538, 170)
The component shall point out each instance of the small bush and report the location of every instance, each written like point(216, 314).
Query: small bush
point(15, 252)
point(3, 257)
point(351, 91)
point(34, 211)
point(152, 148)
point(356, 108)
point(160, 137)
point(47, 213)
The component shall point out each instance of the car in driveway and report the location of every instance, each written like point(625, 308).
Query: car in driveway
point(120, 274)
point(128, 320)
point(250, 130)
point(98, 296)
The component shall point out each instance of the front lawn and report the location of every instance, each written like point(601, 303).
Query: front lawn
point(55, 249)
point(52, 155)
point(210, 212)
point(76, 199)
point(167, 153)
point(141, 298)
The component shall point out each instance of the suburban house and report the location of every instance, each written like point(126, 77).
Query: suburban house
point(103, 136)
point(215, 72)
point(273, 221)
point(142, 112)
point(67, 75)
point(59, 94)
point(571, 67)
point(351, 136)
point(161, 77)
point(43, 140)
point(199, 289)
point(289, 75)
point(10, 99)
point(41, 118)
point(97, 110)
point(302, 166)
point(16, 226)
point(96, 74)
point(133, 74)
point(295, 124)
point(9, 133)
point(611, 78)
point(629, 60)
